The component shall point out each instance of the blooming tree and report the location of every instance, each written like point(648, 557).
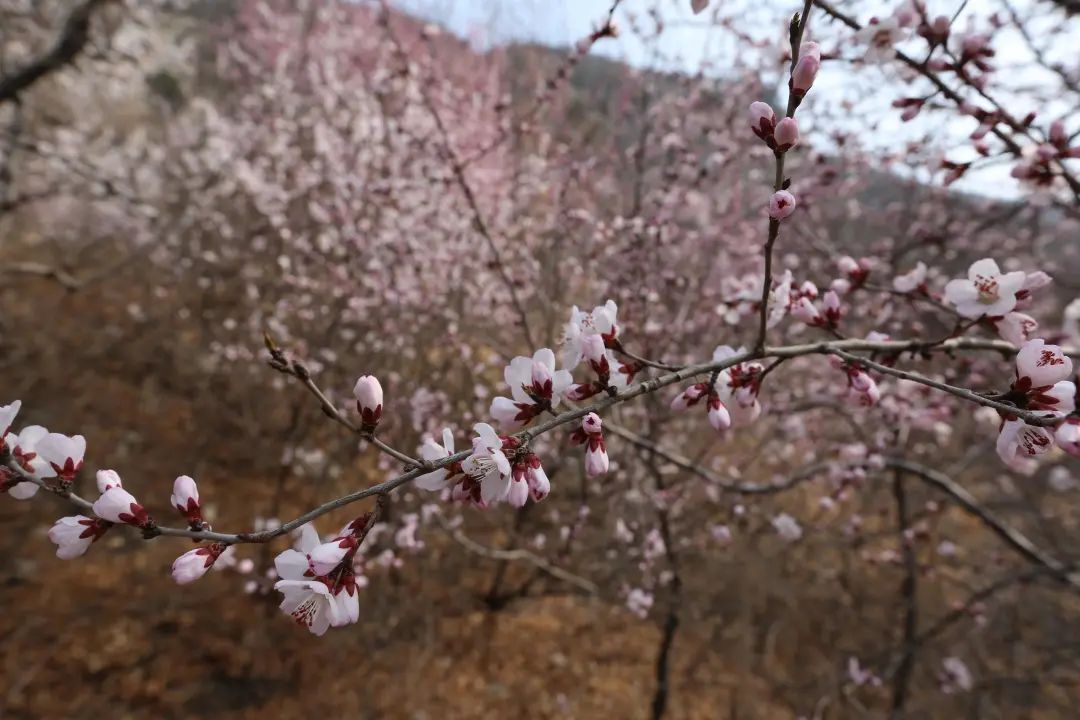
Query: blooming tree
point(386, 223)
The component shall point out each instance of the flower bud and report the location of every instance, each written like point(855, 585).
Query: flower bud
point(806, 70)
point(781, 205)
point(193, 564)
point(596, 461)
point(592, 424)
point(108, 479)
point(117, 505)
point(185, 498)
point(786, 134)
point(762, 119)
point(690, 396)
point(369, 401)
point(719, 417)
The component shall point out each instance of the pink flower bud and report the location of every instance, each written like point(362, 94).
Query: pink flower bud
point(369, 400)
point(596, 461)
point(781, 205)
point(117, 505)
point(193, 564)
point(762, 119)
point(805, 311)
point(832, 301)
point(786, 134)
point(518, 494)
point(1068, 436)
point(810, 49)
point(719, 417)
point(580, 391)
point(1057, 134)
point(108, 479)
point(592, 424)
point(539, 484)
point(689, 397)
point(806, 70)
point(185, 498)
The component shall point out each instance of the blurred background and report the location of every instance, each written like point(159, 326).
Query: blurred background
point(421, 191)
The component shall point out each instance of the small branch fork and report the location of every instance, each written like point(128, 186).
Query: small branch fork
point(414, 468)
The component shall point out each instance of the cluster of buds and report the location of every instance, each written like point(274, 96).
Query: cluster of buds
point(855, 273)
point(1038, 164)
point(1044, 382)
point(718, 414)
point(827, 317)
point(779, 136)
point(862, 390)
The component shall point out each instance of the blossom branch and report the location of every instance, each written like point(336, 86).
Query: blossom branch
point(281, 363)
point(798, 27)
point(1028, 416)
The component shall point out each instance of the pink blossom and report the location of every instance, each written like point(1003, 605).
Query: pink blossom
point(63, 453)
point(431, 451)
point(73, 535)
point(986, 291)
point(1019, 441)
point(1016, 327)
point(787, 527)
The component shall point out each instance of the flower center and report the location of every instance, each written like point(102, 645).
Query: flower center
point(1048, 357)
point(988, 290)
point(304, 614)
point(481, 467)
